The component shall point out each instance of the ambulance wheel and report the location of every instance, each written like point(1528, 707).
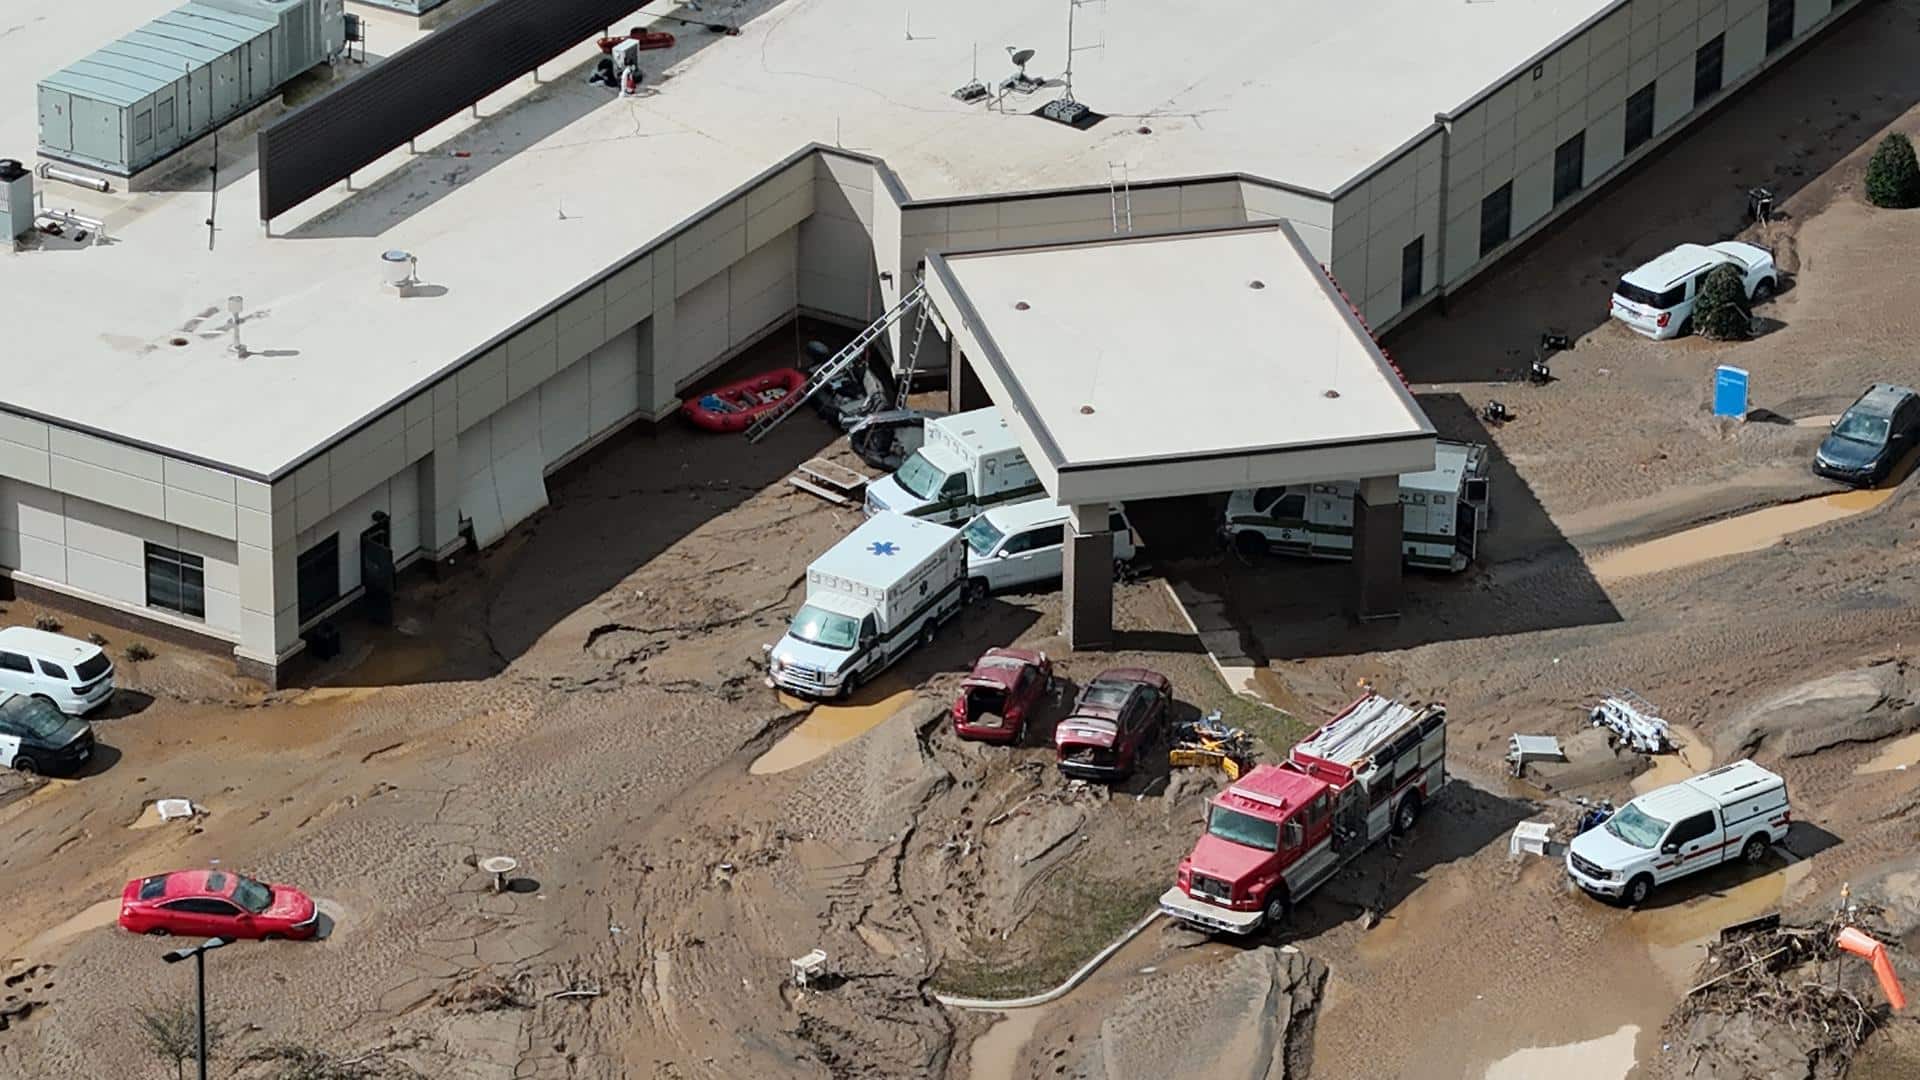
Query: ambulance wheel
point(1637, 891)
point(927, 634)
point(976, 590)
point(1755, 851)
point(1406, 814)
point(1250, 544)
point(1276, 911)
point(851, 686)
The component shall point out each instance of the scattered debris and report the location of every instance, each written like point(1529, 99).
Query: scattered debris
point(809, 969)
point(1207, 742)
point(174, 809)
point(1530, 837)
point(1635, 723)
point(138, 651)
point(46, 622)
point(1522, 749)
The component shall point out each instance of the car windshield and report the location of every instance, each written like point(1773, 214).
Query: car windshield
point(1636, 827)
point(252, 895)
point(1244, 829)
point(921, 478)
point(826, 629)
point(981, 535)
point(35, 718)
point(1862, 428)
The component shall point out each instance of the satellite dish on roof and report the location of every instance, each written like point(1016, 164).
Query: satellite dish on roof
point(1020, 58)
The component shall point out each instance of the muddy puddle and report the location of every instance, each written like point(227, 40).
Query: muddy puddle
point(1692, 758)
point(994, 1055)
point(1609, 1057)
point(1899, 755)
point(825, 727)
point(1738, 535)
point(1677, 937)
point(93, 917)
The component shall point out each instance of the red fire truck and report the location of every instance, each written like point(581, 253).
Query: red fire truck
point(1278, 832)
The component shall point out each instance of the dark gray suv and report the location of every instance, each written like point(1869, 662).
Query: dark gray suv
point(1871, 436)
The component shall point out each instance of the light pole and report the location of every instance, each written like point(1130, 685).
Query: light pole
point(199, 955)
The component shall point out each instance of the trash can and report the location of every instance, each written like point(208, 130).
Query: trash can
point(323, 641)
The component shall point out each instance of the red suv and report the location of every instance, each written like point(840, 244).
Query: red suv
point(1003, 692)
point(1118, 714)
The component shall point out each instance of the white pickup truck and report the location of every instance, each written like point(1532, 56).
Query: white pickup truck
point(1737, 811)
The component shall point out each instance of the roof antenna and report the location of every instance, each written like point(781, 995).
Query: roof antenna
point(974, 90)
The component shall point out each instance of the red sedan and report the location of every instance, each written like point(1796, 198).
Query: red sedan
point(1004, 690)
point(216, 903)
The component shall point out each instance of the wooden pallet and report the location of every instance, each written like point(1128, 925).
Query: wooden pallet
point(830, 481)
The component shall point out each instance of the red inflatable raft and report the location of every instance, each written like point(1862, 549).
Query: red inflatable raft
point(732, 407)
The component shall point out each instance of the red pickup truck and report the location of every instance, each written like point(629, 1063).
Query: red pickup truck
point(1280, 831)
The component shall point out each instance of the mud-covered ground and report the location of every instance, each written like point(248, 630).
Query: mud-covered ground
point(586, 698)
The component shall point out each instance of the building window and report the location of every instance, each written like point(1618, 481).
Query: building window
point(143, 126)
point(1413, 260)
point(1639, 118)
point(164, 111)
point(319, 577)
point(1707, 69)
point(1569, 167)
point(1779, 24)
point(1496, 218)
point(176, 581)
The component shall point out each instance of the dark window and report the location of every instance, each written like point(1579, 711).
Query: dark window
point(1569, 167)
point(1779, 24)
point(216, 882)
point(1293, 506)
point(1413, 265)
point(955, 487)
point(1496, 218)
point(1263, 497)
point(1116, 523)
point(869, 629)
point(53, 671)
point(319, 577)
point(1691, 829)
point(15, 662)
point(1707, 69)
point(92, 667)
point(1639, 117)
point(176, 581)
point(1659, 301)
point(1035, 539)
point(153, 887)
point(201, 905)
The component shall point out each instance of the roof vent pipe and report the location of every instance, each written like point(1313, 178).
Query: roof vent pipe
point(48, 172)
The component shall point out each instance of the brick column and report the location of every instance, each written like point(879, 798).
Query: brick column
point(1088, 579)
point(1377, 521)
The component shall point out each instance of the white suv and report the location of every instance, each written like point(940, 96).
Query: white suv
point(1657, 299)
point(76, 676)
point(1023, 544)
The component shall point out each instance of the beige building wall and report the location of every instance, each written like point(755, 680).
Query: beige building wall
point(1508, 139)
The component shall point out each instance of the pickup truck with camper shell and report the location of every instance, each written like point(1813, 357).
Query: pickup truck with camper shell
point(1736, 812)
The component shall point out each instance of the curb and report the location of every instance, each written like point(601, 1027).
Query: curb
point(1073, 980)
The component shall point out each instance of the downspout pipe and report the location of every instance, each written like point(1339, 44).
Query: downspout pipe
point(1446, 182)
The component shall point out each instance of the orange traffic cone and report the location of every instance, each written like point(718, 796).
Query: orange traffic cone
point(1861, 945)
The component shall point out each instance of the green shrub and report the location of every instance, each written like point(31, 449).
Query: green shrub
point(1893, 176)
point(1720, 312)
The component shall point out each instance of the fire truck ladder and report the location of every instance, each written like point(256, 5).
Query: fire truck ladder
point(1358, 734)
point(832, 369)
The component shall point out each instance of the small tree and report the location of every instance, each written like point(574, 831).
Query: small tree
point(1893, 175)
point(1720, 311)
point(172, 1033)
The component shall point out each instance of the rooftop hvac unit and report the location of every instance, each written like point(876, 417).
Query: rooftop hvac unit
point(16, 200)
point(163, 86)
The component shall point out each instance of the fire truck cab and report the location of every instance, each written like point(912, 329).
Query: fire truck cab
point(1282, 830)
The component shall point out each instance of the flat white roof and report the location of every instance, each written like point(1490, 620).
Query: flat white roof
point(572, 179)
point(1176, 350)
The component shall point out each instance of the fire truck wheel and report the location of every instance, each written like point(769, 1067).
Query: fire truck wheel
point(1407, 813)
point(1637, 891)
point(1276, 907)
